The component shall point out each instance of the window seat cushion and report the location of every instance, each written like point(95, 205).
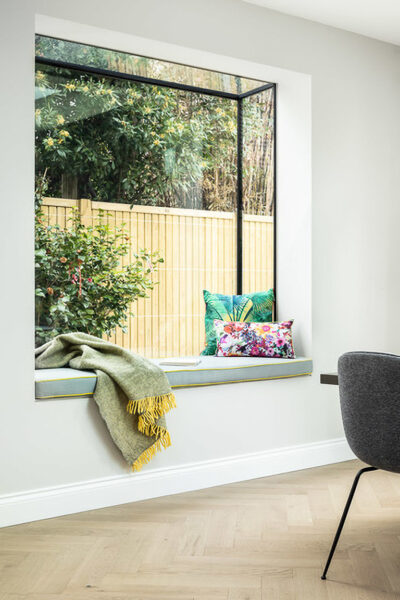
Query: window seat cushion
point(212, 370)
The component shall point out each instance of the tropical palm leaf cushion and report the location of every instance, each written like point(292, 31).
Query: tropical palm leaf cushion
point(250, 308)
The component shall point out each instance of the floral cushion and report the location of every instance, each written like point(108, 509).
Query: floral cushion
point(247, 307)
point(254, 339)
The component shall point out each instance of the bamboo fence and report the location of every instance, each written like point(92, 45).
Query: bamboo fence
point(199, 250)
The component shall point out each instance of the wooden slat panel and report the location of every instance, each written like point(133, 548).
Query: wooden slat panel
point(196, 285)
point(118, 221)
point(181, 282)
point(169, 289)
point(180, 212)
point(111, 222)
point(141, 303)
point(60, 202)
point(133, 321)
point(188, 283)
point(258, 257)
point(148, 218)
point(154, 295)
point(172, 317)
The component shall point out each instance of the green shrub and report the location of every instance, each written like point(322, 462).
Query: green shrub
point(80, 283)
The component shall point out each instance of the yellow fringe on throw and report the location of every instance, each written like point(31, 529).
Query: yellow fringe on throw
point(149, 410)
point(147, 455)
point(158, 405)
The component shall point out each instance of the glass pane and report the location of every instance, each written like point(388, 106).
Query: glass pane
point(160, 161)
point(92, 56)
point(258, 191)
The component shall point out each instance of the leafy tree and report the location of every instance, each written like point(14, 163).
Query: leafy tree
point(133, 143)
point(119, 141)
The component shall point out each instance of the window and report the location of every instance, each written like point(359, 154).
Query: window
point(182, 157)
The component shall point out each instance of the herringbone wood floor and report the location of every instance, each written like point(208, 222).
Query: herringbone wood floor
point(265, 539)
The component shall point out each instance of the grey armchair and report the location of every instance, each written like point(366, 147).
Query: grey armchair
point(369, 389)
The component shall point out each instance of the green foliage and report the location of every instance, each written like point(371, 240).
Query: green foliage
point(80, 283)
point(71, 52)
point(139, 144)
point(120, 141)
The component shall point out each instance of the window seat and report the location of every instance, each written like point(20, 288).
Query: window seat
point(212, 370)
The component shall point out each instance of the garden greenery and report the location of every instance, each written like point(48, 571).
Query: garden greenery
point(134, 143)
point(121, 141)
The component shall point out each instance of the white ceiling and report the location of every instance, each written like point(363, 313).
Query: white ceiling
point(379, 19)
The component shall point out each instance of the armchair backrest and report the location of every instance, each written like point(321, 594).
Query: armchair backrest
point(369, 388)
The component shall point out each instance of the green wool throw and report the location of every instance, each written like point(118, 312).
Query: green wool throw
point(132, 393)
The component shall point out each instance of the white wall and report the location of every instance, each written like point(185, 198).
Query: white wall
point(355, 278)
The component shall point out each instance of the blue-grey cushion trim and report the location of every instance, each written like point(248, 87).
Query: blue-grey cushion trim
point(66, 382)
point(247, 371)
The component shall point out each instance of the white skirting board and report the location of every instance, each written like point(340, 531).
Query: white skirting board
point(45, 503)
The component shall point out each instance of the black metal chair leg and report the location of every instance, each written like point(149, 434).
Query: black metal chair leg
point(344, 515)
